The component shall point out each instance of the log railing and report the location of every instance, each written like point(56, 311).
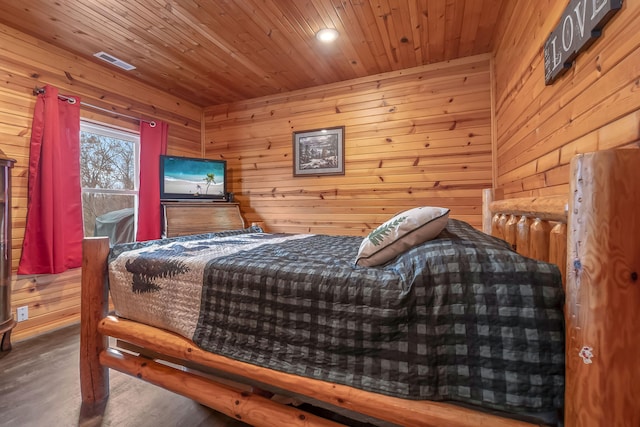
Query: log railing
point(536, 227)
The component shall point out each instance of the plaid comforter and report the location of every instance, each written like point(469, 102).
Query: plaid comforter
point(461, 318)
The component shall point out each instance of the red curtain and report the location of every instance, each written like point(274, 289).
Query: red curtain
point(153, 143)
point(54, 230)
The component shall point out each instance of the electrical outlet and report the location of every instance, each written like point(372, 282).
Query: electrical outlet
point(23, 313)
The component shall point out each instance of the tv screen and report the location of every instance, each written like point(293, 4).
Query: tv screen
point(186, 178)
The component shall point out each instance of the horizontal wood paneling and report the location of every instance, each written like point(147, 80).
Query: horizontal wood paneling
point(53, 301)
point(420, 136)
point(594, 106)
point(26, 63)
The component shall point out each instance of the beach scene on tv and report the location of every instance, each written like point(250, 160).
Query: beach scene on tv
point(193, 177)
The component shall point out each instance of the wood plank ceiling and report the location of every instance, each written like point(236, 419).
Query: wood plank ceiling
point(215, 52)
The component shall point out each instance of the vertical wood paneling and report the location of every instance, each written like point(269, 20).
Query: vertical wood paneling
point(414, 137)
point(25, 63)
point(594, 106)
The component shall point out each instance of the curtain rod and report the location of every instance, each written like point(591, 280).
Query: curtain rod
point(40, 90)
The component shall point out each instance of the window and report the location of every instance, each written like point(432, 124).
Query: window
point(109, 171)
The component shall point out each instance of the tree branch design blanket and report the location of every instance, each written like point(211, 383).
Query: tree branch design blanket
point(461, 317)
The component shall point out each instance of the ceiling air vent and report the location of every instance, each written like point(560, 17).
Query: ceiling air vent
point(115, 61)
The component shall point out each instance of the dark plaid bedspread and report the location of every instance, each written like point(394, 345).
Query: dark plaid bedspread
point(460, 318)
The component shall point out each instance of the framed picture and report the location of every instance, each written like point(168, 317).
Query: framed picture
point(318, 152)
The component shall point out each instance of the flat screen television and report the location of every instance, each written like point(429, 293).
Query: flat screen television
point(186, 178)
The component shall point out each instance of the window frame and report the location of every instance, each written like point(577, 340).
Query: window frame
point(103, 129)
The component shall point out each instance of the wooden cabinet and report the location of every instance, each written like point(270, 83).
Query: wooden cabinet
point(7, 322)
point(182, 218)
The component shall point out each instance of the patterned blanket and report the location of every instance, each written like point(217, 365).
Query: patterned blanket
point(461, 318)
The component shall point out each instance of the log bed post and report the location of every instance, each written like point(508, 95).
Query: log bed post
point(94, 378)
point(489, 195)
point(603, 290)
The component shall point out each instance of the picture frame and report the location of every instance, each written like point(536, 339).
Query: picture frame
point(318, 152)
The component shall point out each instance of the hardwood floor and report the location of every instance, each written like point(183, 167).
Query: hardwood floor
point(40, 386)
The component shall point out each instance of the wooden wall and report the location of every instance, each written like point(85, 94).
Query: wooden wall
point(420, 136)
point(594, 106)
point(54, 300)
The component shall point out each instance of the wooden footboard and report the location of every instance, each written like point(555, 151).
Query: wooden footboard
point(603, 292)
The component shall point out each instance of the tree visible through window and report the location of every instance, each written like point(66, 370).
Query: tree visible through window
point(109, 160)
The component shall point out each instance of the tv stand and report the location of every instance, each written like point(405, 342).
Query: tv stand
point(181, 218)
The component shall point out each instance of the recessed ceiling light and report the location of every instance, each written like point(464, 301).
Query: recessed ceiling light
point(327, 35)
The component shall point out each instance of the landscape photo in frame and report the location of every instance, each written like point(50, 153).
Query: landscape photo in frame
point(319, 152)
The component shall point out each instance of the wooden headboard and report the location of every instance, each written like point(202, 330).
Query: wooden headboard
point(593, 235)
point(535, 227)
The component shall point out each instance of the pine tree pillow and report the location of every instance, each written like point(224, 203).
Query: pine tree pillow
point(401, 233)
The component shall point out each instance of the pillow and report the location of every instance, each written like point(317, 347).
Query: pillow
point(402, 232)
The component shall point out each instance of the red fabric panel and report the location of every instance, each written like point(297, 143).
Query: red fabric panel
point(153, 143)
point(54, 230)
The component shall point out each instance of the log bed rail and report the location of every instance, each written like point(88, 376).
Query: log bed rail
point(601, 221)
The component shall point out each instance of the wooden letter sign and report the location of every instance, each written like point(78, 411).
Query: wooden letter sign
point(581, 23)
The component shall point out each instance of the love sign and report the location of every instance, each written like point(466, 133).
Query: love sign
point(580, 25)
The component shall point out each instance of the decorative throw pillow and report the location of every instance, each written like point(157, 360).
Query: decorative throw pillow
point(402, 232)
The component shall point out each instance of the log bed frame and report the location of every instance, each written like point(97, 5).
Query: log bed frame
point(598, 220)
